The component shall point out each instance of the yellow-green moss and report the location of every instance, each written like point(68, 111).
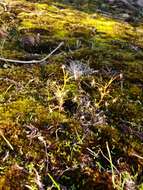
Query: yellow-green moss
point(28, 94)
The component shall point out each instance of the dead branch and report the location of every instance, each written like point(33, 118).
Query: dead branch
point(32, 61)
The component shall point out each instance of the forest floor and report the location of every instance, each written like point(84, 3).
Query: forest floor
point(75, 120)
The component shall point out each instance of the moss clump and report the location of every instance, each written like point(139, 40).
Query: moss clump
point(65, 119)
point(14, 178)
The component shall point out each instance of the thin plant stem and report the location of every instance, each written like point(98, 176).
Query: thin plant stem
point(111, 163)
point(8, 143)
point(54, 182)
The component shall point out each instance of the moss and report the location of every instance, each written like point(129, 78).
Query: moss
point(32, 117)
point(13, 179)
point(135, 91)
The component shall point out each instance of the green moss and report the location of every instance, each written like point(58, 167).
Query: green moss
point(31, 115)
point(135, 91)
point(13, 178)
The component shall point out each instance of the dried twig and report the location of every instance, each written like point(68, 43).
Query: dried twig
point(8, 143)
point(32, 61)
point(38, 180)
point(136, 155)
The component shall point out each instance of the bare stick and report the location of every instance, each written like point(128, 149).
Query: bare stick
point(32, 61)
point(8, 143)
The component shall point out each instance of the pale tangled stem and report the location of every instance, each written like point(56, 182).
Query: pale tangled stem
point(78, 69)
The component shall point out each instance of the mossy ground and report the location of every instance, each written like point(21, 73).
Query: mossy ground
point(54, 125)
